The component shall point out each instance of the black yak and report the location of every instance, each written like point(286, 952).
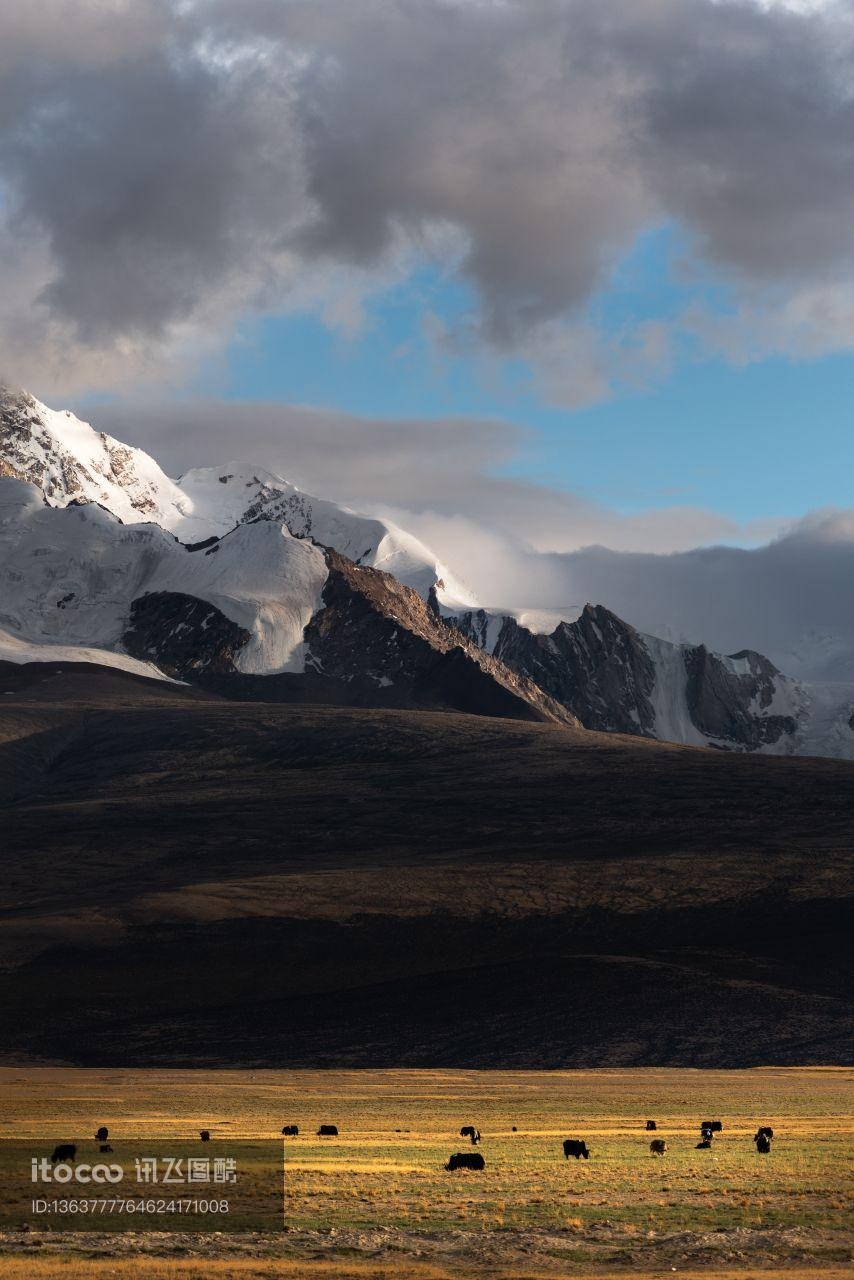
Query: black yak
point(575, 1147)
point(466, 1160)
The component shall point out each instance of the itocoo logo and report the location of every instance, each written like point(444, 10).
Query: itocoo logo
point(44, 1171)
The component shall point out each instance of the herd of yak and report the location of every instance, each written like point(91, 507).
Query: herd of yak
point(473, 1159)
point(571, 1147)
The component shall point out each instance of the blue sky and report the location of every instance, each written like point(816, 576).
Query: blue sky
point(754, 441)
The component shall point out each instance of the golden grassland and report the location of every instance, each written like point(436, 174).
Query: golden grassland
point(377, 1202)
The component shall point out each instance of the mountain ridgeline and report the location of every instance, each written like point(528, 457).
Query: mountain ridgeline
point(235, 580)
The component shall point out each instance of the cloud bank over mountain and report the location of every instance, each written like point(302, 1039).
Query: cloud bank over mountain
point(167, 169)
point(518, 544)
point(454, 468)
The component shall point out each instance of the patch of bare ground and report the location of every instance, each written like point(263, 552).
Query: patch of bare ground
point(388, 1252)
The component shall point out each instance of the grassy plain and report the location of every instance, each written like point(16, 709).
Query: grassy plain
point(377, 1202)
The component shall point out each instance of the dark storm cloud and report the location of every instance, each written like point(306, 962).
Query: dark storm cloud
point(156, 178)
point(165, 167)
point(551, 133)
point(748, 136)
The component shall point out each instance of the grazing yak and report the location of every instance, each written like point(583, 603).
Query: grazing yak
point(102, 1134)
point(658, 1147)
point(575, 1147)
point(470, 1131)
point(466, 1160)
point(204, 1135)
point(651, 1126)
point(290, 1131)
point(64, 1151)
point(763, 1144)
point(328, 1131)
point(765, 1130)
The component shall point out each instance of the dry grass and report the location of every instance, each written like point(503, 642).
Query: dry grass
point(530, 1213)
point(398, 1127)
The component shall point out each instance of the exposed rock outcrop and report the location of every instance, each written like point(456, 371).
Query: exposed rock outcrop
point(382, 635)
point(729, 705)
point(615, 679)
point(184, 636)
point(598, 667)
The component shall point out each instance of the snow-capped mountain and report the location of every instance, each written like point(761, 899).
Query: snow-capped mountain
point(227, 575)
point(234, 578)
point(70, 462)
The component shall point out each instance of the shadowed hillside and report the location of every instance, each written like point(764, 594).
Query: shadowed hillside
point(190, 880)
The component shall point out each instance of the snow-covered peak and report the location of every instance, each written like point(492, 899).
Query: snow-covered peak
point(217, 499)
point(69, 461)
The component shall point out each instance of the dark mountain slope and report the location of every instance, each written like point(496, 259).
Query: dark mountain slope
point(193, 880)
